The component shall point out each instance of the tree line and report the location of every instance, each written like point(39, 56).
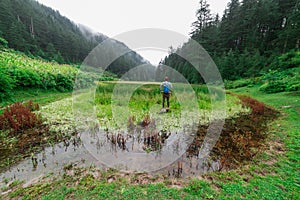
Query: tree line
point(246, 40)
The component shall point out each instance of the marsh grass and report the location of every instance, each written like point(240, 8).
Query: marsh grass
point(147, 100)
point(144, 100)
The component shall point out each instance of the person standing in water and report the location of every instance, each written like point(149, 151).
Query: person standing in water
point(166, 90)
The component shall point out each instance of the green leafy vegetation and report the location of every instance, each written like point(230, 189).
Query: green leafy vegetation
point(240, 83)
point(281, 81)
point(20, 72)
point(3, 43)
point(272, 81)
point(287, 60)
point(37, 95)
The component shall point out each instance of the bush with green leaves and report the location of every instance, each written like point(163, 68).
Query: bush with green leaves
point(287, 60)
point(3, 42)
point(18, 71)
point(7, 83)
point(24, 77)
point(281, 81)
point(240, 83)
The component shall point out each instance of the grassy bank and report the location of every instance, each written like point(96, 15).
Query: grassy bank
point(40, 96)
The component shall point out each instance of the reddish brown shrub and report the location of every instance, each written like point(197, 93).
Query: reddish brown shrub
point(257, 107)
point(18, 118)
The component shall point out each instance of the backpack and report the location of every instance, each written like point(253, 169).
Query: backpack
point(166, 89)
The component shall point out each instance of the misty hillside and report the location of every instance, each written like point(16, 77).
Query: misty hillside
point(37, 30)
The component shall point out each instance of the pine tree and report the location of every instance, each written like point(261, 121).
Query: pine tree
point(230, 26)
point(203, 18)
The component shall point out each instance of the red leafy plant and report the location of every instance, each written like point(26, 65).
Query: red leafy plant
point(258, 108)
point(20, 117)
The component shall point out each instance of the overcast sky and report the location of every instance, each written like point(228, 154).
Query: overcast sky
point(114, 17)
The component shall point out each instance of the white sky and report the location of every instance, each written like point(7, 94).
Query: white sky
point(114, 17)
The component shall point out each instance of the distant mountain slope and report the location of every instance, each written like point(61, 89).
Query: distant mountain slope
point(35, 29)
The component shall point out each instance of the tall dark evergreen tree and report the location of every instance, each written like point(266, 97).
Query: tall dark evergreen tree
point(203, 19)
point(289, 12)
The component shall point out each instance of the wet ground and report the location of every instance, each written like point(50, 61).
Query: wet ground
point(240, 140)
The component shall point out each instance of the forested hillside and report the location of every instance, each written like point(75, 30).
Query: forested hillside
point(247, 40)
point(39, 31)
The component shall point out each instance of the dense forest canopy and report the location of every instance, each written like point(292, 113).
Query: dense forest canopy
point(246, 40)
point(40, 31)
